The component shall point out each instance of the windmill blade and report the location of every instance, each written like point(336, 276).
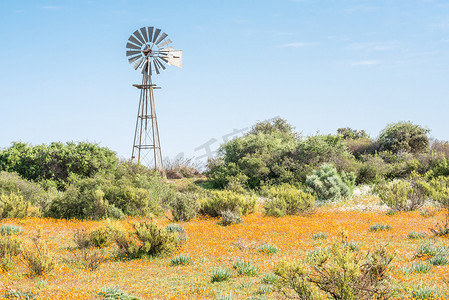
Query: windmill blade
point(150, 34)
point(150, 72)
point(137, 34)
point(164, 59)
point(143, 30)
point(132, 46)
point(163, 36)
point(174, 58)
point(166, 50)
point(159, 63)
point(166, 42)
point(134, 40)
point(156, 34)
point(139, 62)
point(156, 68)
point(143, 69)
point(132, 52)
point(133, 59)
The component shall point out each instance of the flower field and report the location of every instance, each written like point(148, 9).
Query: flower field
point(211, 246)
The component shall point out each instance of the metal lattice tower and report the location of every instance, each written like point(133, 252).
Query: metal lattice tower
point(148, 49)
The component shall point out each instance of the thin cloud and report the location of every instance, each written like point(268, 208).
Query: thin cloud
point(370, 46)
point(366, 63)
point(51, 7)
point(294, 45)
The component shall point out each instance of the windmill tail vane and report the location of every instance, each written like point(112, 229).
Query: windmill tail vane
point(149, 51)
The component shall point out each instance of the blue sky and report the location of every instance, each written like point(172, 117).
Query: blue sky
point(319, 64)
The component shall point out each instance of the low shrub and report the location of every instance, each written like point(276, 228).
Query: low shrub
point(439, 260)
point(181, 168)
point(13, 205)
point(39, 260)
point(441, 229)
point(245, 268)
point(90, 259)
point(425, 293)
point(417, 268)
point(220, 275)
point(287, 200)
point(327, 184)
point(338, 272)
point(146, 240)
point(401, 194)
point(268, 249)
point(10, 229)
point(115, 293)
point(218, 201)
point(10, 246)
point(319, 236)
point(184, 207)
point(229, 217)
point(19, 294)
point(183, 260)
point(270, 279)
point(175, 228)
point(413, 235)
point(379, 227)
point(264, 289)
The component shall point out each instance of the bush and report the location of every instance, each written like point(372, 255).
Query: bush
point(175, 228)
point(401, 195)
point(221, 274)
point(229, 217)
point(438, 189)
point(10, 230)
point(19, 294)
point(287, 200)
point(39, 260)
point(268, 249)
point(182, 259)
point(184, 207)
point(218, 201)
point(181, 168)
point(31, 192)
point(338, 272)
point(379, 227)
point(9, 247)
point(404, 136)
point(245, 268)
point(146, 240)
point(327, 184)
point(14, 206)
point(57, 161)
point(115, 293)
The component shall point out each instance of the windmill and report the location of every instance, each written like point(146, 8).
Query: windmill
point(148, 48)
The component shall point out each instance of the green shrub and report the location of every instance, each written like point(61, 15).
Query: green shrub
point(19, 294)
point(270, 279)
point(379, 227)
point(327, 184)
point(245, 268)
point(184, 207)
point(102, 237)
point(404, 136)
point(338, 272)
point(229, 217)
point(218, 201)
point(146, 240)
point(10, 246)
point(183, 259)
point(268, 249)
point(401, 195)
point(115, 293)
point(13, 205)
point(439, 260)
point(32, 192)
point(438, 190)
point(264, 289)
point(175, 228)
point(220, 274)
point(425, 293)
point(319, 236)
point(10, 230)
point(416, 235)
point(39, 260)
point(287, 200)
point(417, 268)
point(372, 169)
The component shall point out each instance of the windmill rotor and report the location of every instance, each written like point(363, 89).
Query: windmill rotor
point(148, 49)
